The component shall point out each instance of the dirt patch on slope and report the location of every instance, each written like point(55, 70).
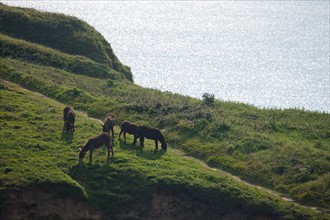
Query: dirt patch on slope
point(181, 204)
point(42, 204)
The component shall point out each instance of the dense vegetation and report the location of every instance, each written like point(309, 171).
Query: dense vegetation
point(286, 150)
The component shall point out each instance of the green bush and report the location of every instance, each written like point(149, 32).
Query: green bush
point(208, 98)
point(253, 144)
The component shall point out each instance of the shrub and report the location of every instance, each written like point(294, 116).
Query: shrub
point(252, 144)
point(208, 98)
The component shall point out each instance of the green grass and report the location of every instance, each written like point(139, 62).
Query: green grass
point(36, 152)
point(37, 54)
point(73, 36)
point(32, 146)
point(285, 150)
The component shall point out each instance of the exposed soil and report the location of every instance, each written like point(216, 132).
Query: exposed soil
point(161, 204)
point(180, 204)
point(40, 204)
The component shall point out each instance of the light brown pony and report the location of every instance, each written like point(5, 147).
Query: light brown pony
point(96, 142)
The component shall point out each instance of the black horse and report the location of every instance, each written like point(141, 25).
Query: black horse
point(151, 133)
point(129, 127)
point(69, 118)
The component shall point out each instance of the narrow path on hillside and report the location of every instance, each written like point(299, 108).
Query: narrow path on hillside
point(237, 178)
point(279, 195)
point(181, 153)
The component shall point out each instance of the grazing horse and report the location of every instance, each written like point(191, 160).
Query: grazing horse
point(109, 123)
point(94, 143)
point(129, 127)
point(151, 133)
point(69, 118)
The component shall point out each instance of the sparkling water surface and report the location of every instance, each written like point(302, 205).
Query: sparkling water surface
point(272, 54)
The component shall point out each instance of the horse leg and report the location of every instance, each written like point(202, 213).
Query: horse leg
point(125, 135)
point(121, 131)
point(109, 146)
point(156, 143)
point(135, 138)
point(141, 141)
point(90, 154)
point(111, 150)
point(113, 133)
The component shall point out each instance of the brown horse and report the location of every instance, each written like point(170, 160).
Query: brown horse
point(94, 143)
point(129, 127)
point(151, 133)
point(109, 123)
point(69, 118)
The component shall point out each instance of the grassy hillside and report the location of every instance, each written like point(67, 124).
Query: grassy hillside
point(40, 155)
point(63, 33)
point(33, 53)
point(285, 150)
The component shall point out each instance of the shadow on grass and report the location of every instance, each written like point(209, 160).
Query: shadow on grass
point(141, 151)
point(85, 171)
point(67, 137)
point(111, 186)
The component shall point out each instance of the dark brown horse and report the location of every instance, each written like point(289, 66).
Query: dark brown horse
point(129, 127)
point(69, 118)
point(109, 123)
point(65, 113)
point(94, 143)
point(151, 133)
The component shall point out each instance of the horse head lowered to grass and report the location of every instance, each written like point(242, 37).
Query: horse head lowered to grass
point(96, 142)
point(151, 133)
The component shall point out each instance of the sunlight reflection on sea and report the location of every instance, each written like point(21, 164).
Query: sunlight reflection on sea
point(272, 54)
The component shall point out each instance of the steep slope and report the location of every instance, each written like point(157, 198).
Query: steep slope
point(289, 156)
point(285, 150)
point(64, 33)
point(39, 163)
point(40, 55)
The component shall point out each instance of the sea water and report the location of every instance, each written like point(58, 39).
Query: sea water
point(271, 54)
